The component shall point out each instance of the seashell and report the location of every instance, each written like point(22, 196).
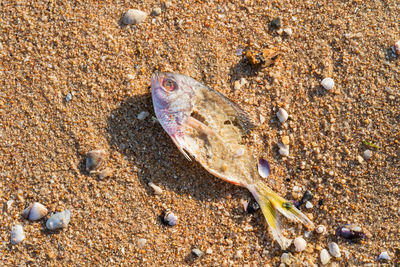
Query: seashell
point(95, 160)
point(134, 16)
point(384, 256)
point(170, 218)
point(58, 220)
point(328, 83)
point(197, 252)
point(17, 234)
point(321, 229)
point(396, 48)
point(309, 205)
point(351, 233)
point(35, 211)
point(282, 115)
point(300, 244)
point(263, 168)
point(157, 190)
point(325, 257)
point(334, 250)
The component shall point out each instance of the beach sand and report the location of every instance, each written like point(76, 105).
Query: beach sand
point(54, 50)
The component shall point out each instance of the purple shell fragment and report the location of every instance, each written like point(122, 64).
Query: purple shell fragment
point(350, 234)
point(263, 168)
point(239, 51)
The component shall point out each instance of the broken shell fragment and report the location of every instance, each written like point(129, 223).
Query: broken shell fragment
point(17, 234)
point(170, 218)
point(105, 173)
point(350, 233)
point(263, 168)
point(321, 229)
point(157, 190)
point(35, 211)
point(95, 160)
point(58, 220)
point(300, 244)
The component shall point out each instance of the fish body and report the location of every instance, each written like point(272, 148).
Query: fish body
point(208, 127)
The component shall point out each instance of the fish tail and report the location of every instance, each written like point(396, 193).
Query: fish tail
point(271, 203)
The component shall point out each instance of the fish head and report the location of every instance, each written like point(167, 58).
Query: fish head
point(172, 96)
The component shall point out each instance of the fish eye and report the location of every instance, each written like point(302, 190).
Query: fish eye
point(169, 84)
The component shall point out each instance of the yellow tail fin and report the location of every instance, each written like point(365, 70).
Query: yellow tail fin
point(270, 203)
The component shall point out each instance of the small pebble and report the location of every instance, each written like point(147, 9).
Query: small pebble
point(285, 258)
point(68, 97)
point(300, 244)
point(384, 256)
point(367, 154)
point(107, 172)
point(236, 85)
point(95, 160)
point(282, 115)
point(324, 256)
point(262, 119)
point(141, 242)
point(17, 234)
point(283, 149)
point(321, 229)
point(285, 140)
point(134, 16)
point(309, 205)
point(328, 83)
point(156, 11)
point(360, 159)
point(35, 211)
point(58, 220)
point(252, 206)
point(157, 190)
point(197, 252)
point(288, 31)
point(275, 23)
point(170, 219)
point(334, 250)
point(143, 115)
point(8, 205)
point(168, 4)
point(396, 48)
point(209, 251)
point(351, 233)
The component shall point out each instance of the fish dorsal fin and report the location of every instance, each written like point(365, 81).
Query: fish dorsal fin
point(209, 99)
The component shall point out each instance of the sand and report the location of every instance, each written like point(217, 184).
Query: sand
point(50, 49)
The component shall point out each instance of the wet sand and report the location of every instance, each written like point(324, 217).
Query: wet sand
point(50, 49)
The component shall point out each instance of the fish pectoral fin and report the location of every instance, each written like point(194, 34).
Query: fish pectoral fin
point(199, 126)
point(178, 142)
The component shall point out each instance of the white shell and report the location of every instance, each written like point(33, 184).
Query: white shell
point(321, 229)
point(134, 16)
point(300, 244)
point(35, 211)
point(328, 83)
point(283, 149)
point(157, 189)
point(282, 115)
point(17, 234)
point(367, 154)
point(396, 47)
point(58, 220)
point(384, 256)
point(334, 250)
point(170, 218)
point(143, 115)
point(309, 205)
point(325, 257)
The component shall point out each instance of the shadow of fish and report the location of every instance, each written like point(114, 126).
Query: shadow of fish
point(207, 126)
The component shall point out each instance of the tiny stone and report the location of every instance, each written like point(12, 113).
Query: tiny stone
point(168, 4)
point(309, 205)
point(143, 115)
point(134, 16)
point(360, 159)
point(288, 31)
point(367, 154)
point(252, 206)
point(209, 251)
point(262, 119)
point(9, 204)
point(197, 252)
point(334, 250)
point(142, 242)
point(384, 256)
point(300, 244)
point(156, 11)
point(107, 172)
point(157, 189)
point(396, 48)
point(282, 115)
point(236, 85)
point(17, 234)
point(239, 254)
point(325, 257)
point(285, 258)
point(285, 140)
point(68, 97)
point(170, 219)
point(283, 149)
point(275, 23)
point(307, 234)
point(328, 83)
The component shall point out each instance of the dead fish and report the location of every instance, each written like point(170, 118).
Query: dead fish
point(208, 127)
